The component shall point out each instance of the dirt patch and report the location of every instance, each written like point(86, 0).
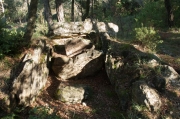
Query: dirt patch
point(103, 102)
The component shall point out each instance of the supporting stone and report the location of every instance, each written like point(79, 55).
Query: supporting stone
point(72, 94)
point(30, 76)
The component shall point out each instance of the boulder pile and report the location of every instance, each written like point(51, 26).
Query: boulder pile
point(82, 49)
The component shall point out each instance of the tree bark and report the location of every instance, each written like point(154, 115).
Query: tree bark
point(92, 8)
point(28, 4)
point(169, 13)
point(48, 14)
point(72, 11)
point(31, 20)
point(81, 3)
point(104, 9)
point(59, 10)
point(87, 10)
point(1, 7)
point(3, 19)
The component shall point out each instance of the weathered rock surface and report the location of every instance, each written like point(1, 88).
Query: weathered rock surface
point(30, 76)
point(58, 40)
point(81, 58)
point(76, 46)
point(109, 28)
point(72, 93)
point(67, 29)
point(82, 65)
point(4, 87)
point(166, 76)
point(4, 95)
point(145, 95)
point(126, 60)
point(139, 78)
point(168, 73)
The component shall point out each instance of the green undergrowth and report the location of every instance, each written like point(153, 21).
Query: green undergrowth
point(11, 40)
point(40, 30)
point(148, 37)
point(42, 113)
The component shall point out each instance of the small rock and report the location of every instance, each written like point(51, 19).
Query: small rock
point(46, 105)
point(71, 94)
point(171, 112)
point(145, 95)
point(84, 104)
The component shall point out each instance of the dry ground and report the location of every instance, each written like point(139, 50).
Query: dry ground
point(103, 102)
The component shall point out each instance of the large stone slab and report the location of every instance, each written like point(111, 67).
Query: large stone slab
point(68, 29)
point(76, 46)
point(30, 76)
point(85, 64)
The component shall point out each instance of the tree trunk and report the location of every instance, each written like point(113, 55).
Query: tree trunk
point(104, 9)
point(87, 10)
point(48, 15)
point(169, 13)
point(59, 10)
point(28, 4)
point(1, 7)
point(3, 19)
point(31, 20)
point(72, 11)
point(92, 8)
point(81, 7)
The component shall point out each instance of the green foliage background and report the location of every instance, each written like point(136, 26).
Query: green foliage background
point(10, 40)
point(152, 14)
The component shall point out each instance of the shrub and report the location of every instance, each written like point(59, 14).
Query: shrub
point(40, 30)
point(42, 113)
point(152, 14)
point(10, 40)
point(148, 37)
point(16, 10)
point(176, 12)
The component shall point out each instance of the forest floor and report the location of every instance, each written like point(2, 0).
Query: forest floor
point(169, 50)
point(103, 104)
